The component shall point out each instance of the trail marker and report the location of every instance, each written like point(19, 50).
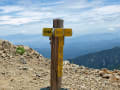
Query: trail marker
point(47, 31)
point(57, 34)
point(67, 32)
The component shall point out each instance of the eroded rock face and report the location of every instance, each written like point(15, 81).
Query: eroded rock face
point(8, 50)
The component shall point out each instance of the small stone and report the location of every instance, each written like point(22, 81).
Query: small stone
point(37, 75)
point(3, 55)
point(107, 76)
point(6, 44)
point(101, 73)
point(66, 63)
point(118, 73)
point(115, 78)
point(106, 71)
point(12, 80)
point(82, 67)
point(26, 48)
point(22, 60)
point(3, 73)
point(23, 68)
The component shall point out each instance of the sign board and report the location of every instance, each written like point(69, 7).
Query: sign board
point(67, 32)
point(47, 31)
point(59, 32)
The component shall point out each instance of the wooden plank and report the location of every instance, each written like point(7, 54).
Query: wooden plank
point(59, 32)
point(55, 80)
point(60, 56)
point(67, 32)
point(47, 31)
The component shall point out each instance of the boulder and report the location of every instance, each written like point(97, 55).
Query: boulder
point(107, 76)
point(1, 42)
point(22, 60)
point(6, 44)
point(26, 48)
point(66, 63)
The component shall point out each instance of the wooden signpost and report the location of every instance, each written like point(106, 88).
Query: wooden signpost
point(57, 34)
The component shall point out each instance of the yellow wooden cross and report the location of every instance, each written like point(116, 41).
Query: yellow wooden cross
point(57, 34)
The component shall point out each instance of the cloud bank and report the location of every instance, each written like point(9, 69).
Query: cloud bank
point(83, 16)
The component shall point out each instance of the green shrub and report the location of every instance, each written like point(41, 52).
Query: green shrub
point(20, 50)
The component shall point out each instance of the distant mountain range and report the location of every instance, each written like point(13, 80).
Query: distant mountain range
point(109, 58)
point(73, 47)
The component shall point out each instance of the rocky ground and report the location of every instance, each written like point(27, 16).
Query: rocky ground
point(31, 71)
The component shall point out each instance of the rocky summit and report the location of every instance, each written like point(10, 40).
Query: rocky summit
point(31, 71)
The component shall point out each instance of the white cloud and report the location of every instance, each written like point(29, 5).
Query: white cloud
point(14, 21)
point(117, 25)
point(34, 14)
point(111, 9)
point(98, 15)
point(5, 18)
point(111, 29)
point(81, 15)
point(53, 3)
point(80, 4)
point(9, 9)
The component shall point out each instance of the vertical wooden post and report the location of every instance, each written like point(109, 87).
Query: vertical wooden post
point(55, 80)
point(56, 35)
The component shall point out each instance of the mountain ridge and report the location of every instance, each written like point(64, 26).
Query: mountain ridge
point(109, 58)
point(79, 45)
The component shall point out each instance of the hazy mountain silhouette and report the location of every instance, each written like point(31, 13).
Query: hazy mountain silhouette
point(109, 58)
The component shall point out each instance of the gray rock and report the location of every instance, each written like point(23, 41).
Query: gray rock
point(66, 63)
point(26, 48)
point(74, 65)
point(3, 55)
point(37, 75)
point(107, 76)
point(6, 44)
point(1, 41)
point(23, 68)
point(22, 60)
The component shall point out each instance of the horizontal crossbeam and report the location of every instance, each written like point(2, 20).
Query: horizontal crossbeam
point(57, 32)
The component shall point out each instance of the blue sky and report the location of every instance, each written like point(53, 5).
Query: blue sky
point(83, 16)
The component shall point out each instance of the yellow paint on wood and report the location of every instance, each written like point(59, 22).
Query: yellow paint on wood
point(60, 68)
point(47, 31)
point(60, 56)
point(59, 32)
point(67, 32)
point(61, 41)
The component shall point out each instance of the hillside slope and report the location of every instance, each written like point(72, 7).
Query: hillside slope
point(31, 71)
point(109, 58)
